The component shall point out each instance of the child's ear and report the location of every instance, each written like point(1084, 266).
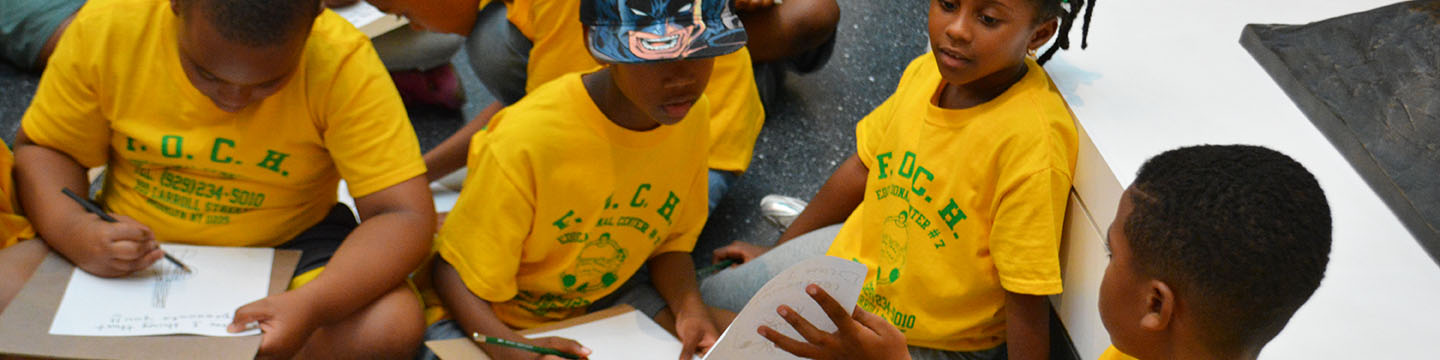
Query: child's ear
point(1159, 307)
point(1043, 33)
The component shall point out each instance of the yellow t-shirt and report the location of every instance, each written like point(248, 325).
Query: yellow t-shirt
point(959, 206)
point(736, 114)
point(562, 205)
point(115, 93)
point(13, 227)
point(1112, 353)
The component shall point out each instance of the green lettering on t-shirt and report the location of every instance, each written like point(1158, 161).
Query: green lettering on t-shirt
point(884, 166)
point(635, 201)
point(272, 161)
point(215, 150)
point(170, 146)
point(952, 214)
point(669, 207)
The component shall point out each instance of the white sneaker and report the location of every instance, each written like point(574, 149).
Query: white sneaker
point(781, 210)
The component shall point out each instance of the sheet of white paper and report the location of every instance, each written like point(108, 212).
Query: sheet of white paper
point(840, 278)
point(627, 336)
point(360, 13)
point(165, 300)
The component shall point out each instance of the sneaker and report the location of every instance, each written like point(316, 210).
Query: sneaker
point(781, 210)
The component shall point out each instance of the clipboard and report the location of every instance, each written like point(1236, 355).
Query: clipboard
point(465, 349)
point(23, 324)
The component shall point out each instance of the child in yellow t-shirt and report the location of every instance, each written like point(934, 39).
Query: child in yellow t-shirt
point(1178, 286)
point(586, 180)
point(517, 45)
point(230, 123)
point(955, 198)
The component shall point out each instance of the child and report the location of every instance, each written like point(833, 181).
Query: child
point(541, 41)
point(956, 196)
point(585, 180)
point(1213, 248)
point(230, 123)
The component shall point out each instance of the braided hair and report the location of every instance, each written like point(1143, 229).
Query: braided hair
point(1050, 9)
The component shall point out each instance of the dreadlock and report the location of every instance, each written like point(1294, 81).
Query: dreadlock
point(1050, 9)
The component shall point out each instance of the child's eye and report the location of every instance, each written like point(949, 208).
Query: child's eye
point(987, 20)
point(948, 6)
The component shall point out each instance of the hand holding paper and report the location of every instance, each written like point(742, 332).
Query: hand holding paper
point(697, 333)
point(859, 335)
point(286, 322)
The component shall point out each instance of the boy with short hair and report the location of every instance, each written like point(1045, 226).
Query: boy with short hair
point(230, 123)
point(1213, 249)
point(585, 180)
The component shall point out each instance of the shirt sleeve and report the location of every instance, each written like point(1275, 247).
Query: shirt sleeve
point(484, 235)
point(871, 128)
point(695, 209)
point(1025, 238)
point(367, 130)
point(65, 114)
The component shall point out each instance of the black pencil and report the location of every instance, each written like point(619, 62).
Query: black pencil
point(95, 209)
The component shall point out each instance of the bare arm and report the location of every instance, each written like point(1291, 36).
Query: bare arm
point(100, 248)
point(839, 197)
point(831, 205)
point(1027, 326)
point(779, 31)
point(450, 154)
point(475, 315)
point(392, 239)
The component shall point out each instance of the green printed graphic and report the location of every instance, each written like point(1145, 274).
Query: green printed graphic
point(597, 266)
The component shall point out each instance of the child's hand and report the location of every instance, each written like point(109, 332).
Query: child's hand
point(286, 322)
point(740, 251)
point(696, 331)
point(557, 343)
point(861, 335)
point(752, 5)
point(117, 249)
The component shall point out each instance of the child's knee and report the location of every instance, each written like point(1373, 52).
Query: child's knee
point(395, 323)
point(17, 263)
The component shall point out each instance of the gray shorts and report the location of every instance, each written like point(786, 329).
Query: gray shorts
point(499, 54)
point(25, 26)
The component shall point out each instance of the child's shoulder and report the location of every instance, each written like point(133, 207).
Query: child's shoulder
point(333, 41)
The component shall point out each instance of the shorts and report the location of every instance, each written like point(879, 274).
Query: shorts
point(25, 26)
point(319, 243)
point(499, 53)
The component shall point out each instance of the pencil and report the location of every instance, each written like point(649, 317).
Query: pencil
point(95, 209)
point(522, 346)
point(706, 271)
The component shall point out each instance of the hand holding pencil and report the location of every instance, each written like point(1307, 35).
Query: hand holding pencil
point(119, 245)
